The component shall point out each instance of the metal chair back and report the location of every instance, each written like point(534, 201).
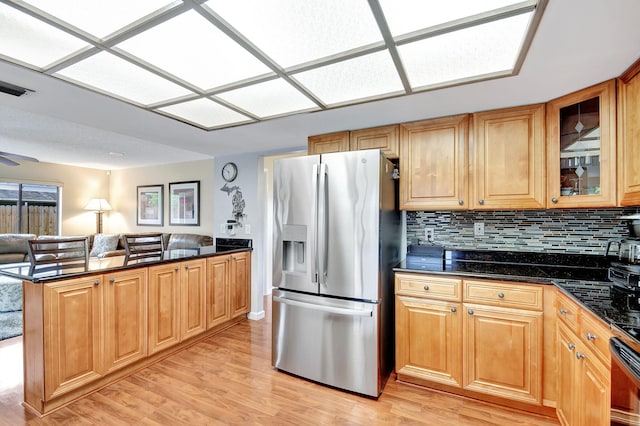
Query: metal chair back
point(59, 254)
point(143, 246)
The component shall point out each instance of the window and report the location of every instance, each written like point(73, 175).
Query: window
point(29, 209)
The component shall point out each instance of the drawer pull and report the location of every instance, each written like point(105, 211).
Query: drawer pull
point(112, 280)
point(96, 282)
point(470, 311)
point(426, 288)
point(580, 355)
point(481, 202)
point(176, 269)
point(554, 200)
point(501, 295)
point(460, 202)
point(563, 311)
point(454, 310)
point(571, 346)
point(591, 336)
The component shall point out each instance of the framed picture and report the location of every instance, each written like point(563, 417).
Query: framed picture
point(184, 203)
point(150, 202)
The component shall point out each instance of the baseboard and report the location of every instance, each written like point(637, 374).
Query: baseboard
point(255, 316)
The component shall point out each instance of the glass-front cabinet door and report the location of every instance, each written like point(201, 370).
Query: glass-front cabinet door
point(581, 141)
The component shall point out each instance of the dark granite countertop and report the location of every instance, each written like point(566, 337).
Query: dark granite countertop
point(582, 277)
point(23, 271)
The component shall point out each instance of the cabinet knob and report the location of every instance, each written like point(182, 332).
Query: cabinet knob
point(580, 355)
point(112, 280)
point(501, 295)
point(461, 202)
point(562, 311)
point(186, 266)
point(470, 311)
point(571, 346)
point(426, 288)
point(554, 200)
point(481, 202)
point(591, 336)
point(96, 282)
point(454, 310)
point(176, 269)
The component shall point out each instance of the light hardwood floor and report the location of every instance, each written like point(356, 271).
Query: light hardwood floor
point(228, 379)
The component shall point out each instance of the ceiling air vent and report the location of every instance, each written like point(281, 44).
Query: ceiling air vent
point(12, 89)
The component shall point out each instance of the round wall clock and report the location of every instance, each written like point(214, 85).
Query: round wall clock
point(229, 172)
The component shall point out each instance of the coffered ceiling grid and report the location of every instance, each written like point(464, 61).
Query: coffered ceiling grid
point(222, 63)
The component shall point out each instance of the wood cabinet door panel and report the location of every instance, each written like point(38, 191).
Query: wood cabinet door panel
point(428, 337)
point(503, 352)
point(594, 406)
point(330, 142)
point(566, 395)
point(629, 137)
point(125, 313)
point(240, 282)
point(508, 158)
point(164, 307)
point(218, 310)
point(384, 138)
point(193, 298)
point(72, 334)
point(433, 161)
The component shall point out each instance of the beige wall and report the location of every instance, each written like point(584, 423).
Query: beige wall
point(123, 195)
point(78, 186)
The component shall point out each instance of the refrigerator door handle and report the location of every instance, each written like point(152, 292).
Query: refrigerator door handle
point(322, 225)
point(324, 308)
point(314, 264)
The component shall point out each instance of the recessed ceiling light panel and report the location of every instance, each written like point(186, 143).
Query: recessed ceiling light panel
point(364, 77)
point(112, 75)
point(205, 113)
point(469, 53)
point(98, 17)
point(191, 48)
point(275, 97)
point(406, 16)
point(295, 32)
point(31, 41)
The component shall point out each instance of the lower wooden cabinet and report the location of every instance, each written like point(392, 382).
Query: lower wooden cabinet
point(125, 318)
point(428, 340)
point(584, 388)
point(240, 273)
point(584, 366)
point(72, 335)
point(177, 309)
point(490, 348)
point(502, 352)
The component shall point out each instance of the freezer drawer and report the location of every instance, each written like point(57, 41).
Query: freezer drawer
point(331, 341)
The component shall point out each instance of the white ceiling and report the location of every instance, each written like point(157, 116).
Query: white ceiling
point(577, 43)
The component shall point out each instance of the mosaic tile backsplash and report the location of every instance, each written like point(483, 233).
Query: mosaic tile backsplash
point(584, 231)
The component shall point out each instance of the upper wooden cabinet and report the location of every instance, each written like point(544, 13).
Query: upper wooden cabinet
point(433, 162)
point(581, 148)
point(629, 137)
point(508, 159)
point(331, 142)
point(384, 138)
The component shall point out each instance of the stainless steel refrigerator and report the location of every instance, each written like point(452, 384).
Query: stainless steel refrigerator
point(337, 234)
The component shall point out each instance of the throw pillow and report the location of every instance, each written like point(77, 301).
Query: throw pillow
point(103, 243)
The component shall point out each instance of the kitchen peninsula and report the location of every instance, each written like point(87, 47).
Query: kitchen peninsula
point(86, 329)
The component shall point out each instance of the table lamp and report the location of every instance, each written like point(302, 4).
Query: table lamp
point(99, 206)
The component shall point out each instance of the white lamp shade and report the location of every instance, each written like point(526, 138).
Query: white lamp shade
point(98, 205)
